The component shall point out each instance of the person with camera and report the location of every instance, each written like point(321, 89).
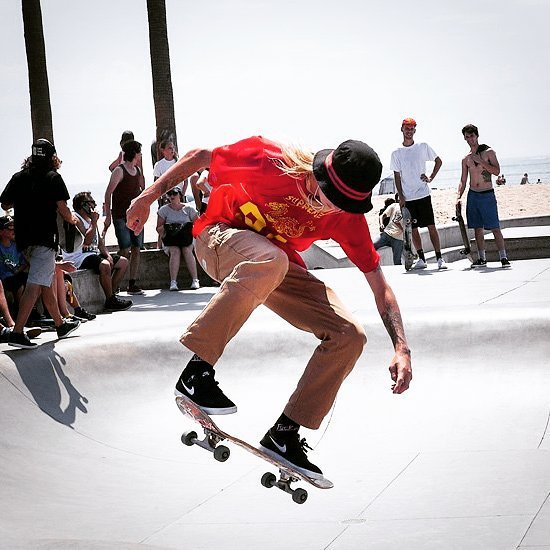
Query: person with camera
point(94, 255)
point(174, 226)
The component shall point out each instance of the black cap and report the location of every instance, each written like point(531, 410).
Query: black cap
point(42, 151)
point(5, 221)
point(347, 175)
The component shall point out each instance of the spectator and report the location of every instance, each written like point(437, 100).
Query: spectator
point(5, 312)
point(178, 215)
point(501, 180)
point(391, 231)
point(479, 165)
point(61, 289)
point(94, 255)
point(127, 135)
point(37, 194)
point(169, 158)
point(13, 266)
point(125, 184)
point(409, 165)
point(204, 191)
point(524, 179)
point(7, 324)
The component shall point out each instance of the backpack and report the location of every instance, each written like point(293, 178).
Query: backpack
point(70, 237)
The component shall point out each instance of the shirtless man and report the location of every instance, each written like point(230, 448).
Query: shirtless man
point(481, 210)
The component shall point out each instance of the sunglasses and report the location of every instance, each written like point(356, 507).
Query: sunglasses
point(172, 193)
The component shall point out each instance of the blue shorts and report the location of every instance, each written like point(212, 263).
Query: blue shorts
point(125, 236)
point(481, 210)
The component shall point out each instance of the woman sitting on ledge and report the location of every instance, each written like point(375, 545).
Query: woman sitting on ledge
point(174, 226)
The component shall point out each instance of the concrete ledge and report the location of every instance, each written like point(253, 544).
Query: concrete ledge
point(153, 274)
point(328, 254)
point(88, 290)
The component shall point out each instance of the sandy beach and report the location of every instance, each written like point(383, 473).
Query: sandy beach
point(513, 202)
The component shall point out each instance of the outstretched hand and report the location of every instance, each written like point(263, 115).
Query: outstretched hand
point(401, 372)
point(137, 214)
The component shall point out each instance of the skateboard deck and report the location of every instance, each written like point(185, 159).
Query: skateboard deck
point(466, 251)
point(214, 436)
point(408, 253)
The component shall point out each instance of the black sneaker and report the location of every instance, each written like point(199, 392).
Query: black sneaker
point(72, 317)
point(134, 289)
point(198, 384)
point(290, 449)
point(505, 262)
point(479, 263)
point(81, 313)
point(19, 340)
point(114, 303)
point(5, 335)
point(66, 327)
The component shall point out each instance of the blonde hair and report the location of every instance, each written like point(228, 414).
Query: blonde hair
point(296, 162)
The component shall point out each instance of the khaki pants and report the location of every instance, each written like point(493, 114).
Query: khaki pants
point(254, 271)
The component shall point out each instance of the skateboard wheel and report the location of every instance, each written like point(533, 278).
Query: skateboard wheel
point(221, 453)
point(268, 480)
point(299, 496)
point(187, 438)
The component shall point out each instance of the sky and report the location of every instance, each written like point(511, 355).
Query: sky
point(309, 72)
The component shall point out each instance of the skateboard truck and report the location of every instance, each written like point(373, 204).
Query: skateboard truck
point(210, 443)
point(213, 436)
point(269, 480)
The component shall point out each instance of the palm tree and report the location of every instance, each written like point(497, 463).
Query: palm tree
point(163, 95)
point(41, 111)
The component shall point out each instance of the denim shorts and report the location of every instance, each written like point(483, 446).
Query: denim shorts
point(41, 261)
point(481, 210)
point(125, 236)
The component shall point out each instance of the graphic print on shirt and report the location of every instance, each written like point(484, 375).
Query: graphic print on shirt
point(280, 219)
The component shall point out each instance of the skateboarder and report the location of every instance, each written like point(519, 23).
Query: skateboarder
point(409, 166)
point(481, 208)
point(267, 203)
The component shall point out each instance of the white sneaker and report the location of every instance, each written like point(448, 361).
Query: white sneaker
point(174, 285)
point(441, 264)
point(195, 284)
point(420, 264)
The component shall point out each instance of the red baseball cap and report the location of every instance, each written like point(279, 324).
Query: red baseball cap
point(408, 122)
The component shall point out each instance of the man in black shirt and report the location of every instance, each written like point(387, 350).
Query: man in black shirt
point(37, 193)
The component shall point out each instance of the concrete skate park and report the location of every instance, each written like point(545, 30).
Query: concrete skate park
point(90, 435)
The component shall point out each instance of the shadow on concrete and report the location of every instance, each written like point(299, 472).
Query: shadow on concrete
point(42, 373)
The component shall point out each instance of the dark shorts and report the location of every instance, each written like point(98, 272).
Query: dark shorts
point(481, 210)
point(422, 212)
point(92, 262)
point(125, 236)
point(15, 282)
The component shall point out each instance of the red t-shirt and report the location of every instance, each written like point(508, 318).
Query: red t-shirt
point(249, 191)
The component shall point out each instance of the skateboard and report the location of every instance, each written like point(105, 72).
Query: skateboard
point(408, 254)
point(213, 436)
point(467, 251)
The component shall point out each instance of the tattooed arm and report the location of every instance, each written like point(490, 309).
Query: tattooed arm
point(400, 367)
